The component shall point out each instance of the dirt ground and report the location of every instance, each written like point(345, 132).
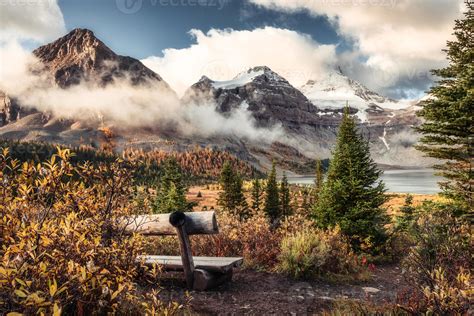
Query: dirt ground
point(261, 293)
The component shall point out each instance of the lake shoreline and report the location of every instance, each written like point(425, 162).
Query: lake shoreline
point(413, 181)
point(384, 169)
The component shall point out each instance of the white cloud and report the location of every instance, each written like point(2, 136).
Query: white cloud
point(399, 40)
point(221, 54)
point(396, 42)
point(386, 28)
point(37, 20)
point(120, 104)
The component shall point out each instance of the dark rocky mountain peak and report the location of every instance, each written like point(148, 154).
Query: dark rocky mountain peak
point(80, 55)
point(79, 45)
point(267, 95)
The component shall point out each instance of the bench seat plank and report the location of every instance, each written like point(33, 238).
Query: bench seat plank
point(213, 264)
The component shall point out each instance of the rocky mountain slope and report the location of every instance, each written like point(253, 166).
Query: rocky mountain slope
point(9, 111)
point(335, 89)
point(80, 56)
point(309, 116)
point(269, 97)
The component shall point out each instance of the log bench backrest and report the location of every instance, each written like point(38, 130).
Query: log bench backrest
point(196, 223)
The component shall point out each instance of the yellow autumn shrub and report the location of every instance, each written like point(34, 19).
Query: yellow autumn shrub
point(439, 265)
point(311, 253)
point(62, 248)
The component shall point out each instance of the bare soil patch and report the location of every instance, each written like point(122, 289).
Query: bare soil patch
point(261, 293)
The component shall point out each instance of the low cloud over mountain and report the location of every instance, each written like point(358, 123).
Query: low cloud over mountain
point(78, 77)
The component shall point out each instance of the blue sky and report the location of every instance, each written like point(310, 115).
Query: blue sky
point(159, 24)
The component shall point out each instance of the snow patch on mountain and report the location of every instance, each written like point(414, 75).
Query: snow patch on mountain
point(239, 80)
point(249, 76)
point(336, 90)
point(383, 138)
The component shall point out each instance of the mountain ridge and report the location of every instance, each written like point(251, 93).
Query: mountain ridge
point(80, 55)
point(313, 129)
point(269, 97)
point(271, 100)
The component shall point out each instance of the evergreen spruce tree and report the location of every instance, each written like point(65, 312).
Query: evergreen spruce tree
point(272, 200)
point(407, 214)
point(449, 114)
point(241, 207)
point(352, 195)
point(168, 201)
point(285, 199)
point(257, 195)
point(171, 192)
point(231, 198)
point(226, 181)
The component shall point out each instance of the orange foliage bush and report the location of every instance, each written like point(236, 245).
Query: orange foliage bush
point(253, 239)
point(439, 266)
point(62, 250)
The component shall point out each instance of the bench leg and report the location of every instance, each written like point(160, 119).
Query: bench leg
point(204, 280)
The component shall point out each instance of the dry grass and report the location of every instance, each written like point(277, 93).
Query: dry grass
point(397, 200)
point(210, 194)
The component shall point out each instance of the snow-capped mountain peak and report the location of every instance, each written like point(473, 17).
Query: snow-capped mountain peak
point(247, 77)
point(267, 95)
point(335, 89)
point(239, 80)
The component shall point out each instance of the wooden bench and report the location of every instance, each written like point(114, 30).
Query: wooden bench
point(201, 273)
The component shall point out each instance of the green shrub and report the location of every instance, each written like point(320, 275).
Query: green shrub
point(302, 255)
point(313, 253)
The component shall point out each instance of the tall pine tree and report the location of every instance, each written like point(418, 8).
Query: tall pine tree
point(171, 192)
point(241, 206)
point(272, 200)
point(226, 181)
point(257, 195)
point(285, 198)
point(352, 195)
point(407, 215)
point(231, 198)
point(449, 114)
